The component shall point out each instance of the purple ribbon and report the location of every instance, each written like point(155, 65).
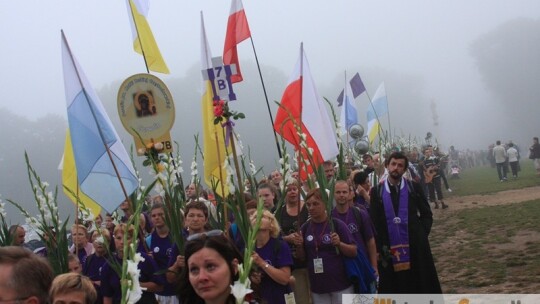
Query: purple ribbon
point(228, 125)
point(398, 226)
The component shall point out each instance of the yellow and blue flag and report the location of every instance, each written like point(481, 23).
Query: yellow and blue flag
point(104, 169)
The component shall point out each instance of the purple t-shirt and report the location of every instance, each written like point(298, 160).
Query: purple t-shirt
point(92, 269)
point(361, 231)
point(161, 249)
point(317, 235)
point(277, 255)
point(110, 281)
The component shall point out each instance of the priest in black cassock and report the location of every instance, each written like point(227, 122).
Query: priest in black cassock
point(403, 219)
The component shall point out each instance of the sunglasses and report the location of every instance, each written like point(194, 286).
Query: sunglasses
point(196, 236)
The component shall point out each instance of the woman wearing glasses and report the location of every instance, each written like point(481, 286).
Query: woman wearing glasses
point(212, 267)
point(273, 258)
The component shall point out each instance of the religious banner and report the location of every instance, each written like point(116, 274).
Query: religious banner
point(145, 106)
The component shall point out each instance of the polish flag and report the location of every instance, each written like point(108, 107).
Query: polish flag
point(237, 31)
point(306, 108)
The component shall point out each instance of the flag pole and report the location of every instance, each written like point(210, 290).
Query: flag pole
point(266, 97)
point(95, 119)
point(138, 36)
point(388, 115)
point(300, 155)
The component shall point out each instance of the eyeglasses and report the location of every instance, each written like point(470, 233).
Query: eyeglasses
point(196, 236)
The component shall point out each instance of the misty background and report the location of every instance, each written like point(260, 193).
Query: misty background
point(466, 71)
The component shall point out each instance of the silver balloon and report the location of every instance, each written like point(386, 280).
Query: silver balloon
point(361, 147)
point(356, 131)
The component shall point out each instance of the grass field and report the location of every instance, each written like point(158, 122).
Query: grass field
point(489, 249)
point(484, 180)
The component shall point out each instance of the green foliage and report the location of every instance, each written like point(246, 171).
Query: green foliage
point(6, 238)
point(48, 225)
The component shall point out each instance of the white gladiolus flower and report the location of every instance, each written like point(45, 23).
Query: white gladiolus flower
point(239, 290)
point(135, 290)
point(141, 150)
point(253, 168)
point(45, 184)
point(158, 146)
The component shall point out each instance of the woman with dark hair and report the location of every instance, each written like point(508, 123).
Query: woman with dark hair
point(292, 216)
point(212, 267)
point(362, 186)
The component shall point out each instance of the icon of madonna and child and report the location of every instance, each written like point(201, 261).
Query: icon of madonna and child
point(144, 104)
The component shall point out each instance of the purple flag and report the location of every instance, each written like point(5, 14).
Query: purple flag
point(357, 87)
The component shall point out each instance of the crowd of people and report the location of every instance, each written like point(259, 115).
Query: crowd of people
point(375, 239)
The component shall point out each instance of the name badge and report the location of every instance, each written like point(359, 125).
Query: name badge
point(289, 298)
point(318, 265)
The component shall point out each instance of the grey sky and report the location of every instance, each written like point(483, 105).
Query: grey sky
point(429, 39)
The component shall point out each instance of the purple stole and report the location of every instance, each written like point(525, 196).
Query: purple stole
point(398, 226)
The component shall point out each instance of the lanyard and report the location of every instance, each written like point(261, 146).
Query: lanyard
point(318, 239)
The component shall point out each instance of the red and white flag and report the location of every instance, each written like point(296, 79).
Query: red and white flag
point(307, 109)
point(237, 31)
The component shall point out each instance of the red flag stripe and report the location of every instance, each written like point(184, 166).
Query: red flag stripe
point(237, 31)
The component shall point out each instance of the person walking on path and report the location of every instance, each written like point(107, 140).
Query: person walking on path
point(499, 154)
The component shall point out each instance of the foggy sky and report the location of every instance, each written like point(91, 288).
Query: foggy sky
point(428, 40)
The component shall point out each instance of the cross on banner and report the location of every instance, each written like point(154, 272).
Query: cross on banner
point(220, 78)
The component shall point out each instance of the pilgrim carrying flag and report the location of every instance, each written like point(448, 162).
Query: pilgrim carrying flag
point(378, 108)
point(213, 138)
point(302, 101)
point(143, 39)
point(237, 31)
point(97, 149)
point(357, 88)
point(70, 181)
point(349, 115)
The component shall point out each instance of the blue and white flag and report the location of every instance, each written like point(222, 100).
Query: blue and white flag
point(349, 114)
point(378, 108)
point(91, 132)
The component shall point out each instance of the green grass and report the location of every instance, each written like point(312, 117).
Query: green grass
point(484, 253)
point(484, 180)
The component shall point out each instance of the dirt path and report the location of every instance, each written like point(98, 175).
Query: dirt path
point(499, 198)
point(458, 272)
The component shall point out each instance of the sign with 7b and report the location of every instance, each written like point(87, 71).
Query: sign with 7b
point(220, 77)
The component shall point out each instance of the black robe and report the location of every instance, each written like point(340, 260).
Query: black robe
point(422, 276)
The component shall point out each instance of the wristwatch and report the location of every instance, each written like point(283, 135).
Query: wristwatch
point(266, 265)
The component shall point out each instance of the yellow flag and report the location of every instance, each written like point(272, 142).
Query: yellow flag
point(213, 160)
point(69, 179)
point(149, 49)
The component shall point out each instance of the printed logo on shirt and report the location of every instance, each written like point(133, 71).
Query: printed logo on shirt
point(326, 239)
point(168, 252)
point(352, 227)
